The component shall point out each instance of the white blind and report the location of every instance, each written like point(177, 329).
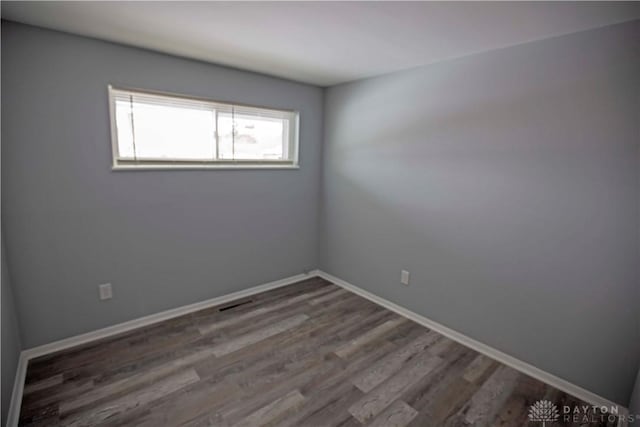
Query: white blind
point(160, 128)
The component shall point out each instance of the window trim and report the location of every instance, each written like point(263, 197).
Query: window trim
point(165, 164)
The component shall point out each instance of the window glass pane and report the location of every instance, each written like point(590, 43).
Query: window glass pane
point(225, 136)
point(125, 133)
point(169, 132)
point(165, 131)
point(245, 137)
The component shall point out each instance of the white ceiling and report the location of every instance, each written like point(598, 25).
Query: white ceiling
point(322, 43)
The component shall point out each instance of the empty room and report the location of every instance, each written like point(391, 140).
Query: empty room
point(317, 214)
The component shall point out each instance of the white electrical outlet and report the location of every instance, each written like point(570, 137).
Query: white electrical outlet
point(404, 277)
point(105, 291)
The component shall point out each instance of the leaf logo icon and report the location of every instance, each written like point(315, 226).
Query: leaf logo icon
point(543, 411)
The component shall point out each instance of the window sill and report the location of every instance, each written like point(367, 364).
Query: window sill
point(198, 167)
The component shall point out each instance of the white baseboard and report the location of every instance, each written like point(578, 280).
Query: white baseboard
point(532, 371)
point(16, 394)
point(158, 317)
point(31, 353)
point(491, 352)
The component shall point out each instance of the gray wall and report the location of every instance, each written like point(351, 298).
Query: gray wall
point(507, 184)
point(634, 403)
point(10, 345)
point(163, 238)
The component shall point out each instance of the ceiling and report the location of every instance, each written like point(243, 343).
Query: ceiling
point(322, 43)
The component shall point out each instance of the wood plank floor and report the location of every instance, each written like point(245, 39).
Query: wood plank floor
point(308, 354)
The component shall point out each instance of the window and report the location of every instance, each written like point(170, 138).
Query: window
point(152, 130)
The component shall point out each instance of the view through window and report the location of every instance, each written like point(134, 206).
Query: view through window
point(154, 130)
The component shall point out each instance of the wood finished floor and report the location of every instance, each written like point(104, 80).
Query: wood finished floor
point(308, 354)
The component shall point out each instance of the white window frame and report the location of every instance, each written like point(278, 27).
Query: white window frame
point(127, 164)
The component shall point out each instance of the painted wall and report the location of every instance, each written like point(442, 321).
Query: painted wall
point(11, 343)
point(507, 183)
point(634, 403)
point(162, 238)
